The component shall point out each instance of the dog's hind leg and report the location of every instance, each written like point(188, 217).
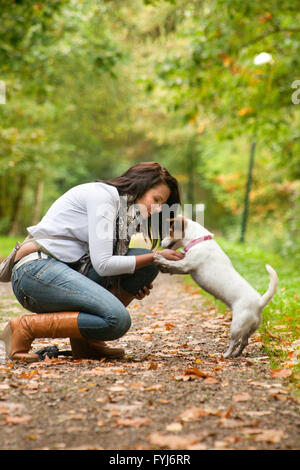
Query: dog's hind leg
point(233, 345)
point(243, 344)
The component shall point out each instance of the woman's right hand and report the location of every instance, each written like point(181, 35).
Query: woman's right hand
point(171, 254)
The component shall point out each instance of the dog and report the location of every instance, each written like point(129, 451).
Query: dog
point(213, 271)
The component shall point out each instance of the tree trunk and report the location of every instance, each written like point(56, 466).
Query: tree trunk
point(38, 199)
point(248, 189)
point(17, 206)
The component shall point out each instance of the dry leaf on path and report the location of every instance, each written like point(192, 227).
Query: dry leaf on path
point(272, 436)
point(133, 422)
point(283, 373)
point(198, 373)
point(174, 427)
point(242, 397)
point(17, 419)
point(195, 413)
point(173, 441)
point(11, 408)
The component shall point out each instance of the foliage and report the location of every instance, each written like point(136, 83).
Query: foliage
point(93, 87)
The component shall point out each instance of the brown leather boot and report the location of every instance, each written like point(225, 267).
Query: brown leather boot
point(89, 349)
point(20, 332)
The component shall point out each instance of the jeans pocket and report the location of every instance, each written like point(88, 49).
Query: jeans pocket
point(46, 265)
point(15, 281)
point(29, 302)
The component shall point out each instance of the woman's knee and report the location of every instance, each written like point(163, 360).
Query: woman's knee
point(120, 323)
point(140, 278)
point(113, 326)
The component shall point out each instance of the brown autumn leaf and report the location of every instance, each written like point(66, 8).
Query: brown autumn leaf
point(116, 388)
point(174, 427)
point(195, 413)
point(4, 387)
point(174, 441)
point(242, 397)
point(230, 423)
point(32, 385)
point(17, 419)
point(211, 380)
point(281, 373)
point(154, 388)
point(197, 373)
point(272, 436)
point(132, 422)
point(11, 408)
point(137, 385)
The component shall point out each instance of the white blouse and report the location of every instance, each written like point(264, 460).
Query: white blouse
point(88, 213)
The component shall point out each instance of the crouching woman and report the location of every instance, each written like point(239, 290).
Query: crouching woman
point(88, 308)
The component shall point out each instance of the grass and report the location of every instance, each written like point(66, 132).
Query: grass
point(7, 244)
point(280, 328)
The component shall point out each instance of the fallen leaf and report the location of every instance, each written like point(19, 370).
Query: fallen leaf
point(173, 441)
point(197, 373)
point(154, 387)
point(4, 387)
point(11, 408)
point(266, 435)
point(116, 388)
point(195, 413)
point(230, 423)
point(283, 373)
point(32, 385)
point(242, 397)
point(211, 380)
point(174, 427)
point(137, 385)
point(257, 413)
point(132, 422)
point(17, 419)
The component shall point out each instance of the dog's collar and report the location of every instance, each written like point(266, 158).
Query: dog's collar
point(196, 241)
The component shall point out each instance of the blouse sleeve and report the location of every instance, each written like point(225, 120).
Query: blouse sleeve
point(102, 210)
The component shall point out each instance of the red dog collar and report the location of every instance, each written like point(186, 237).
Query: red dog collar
point(196, 241)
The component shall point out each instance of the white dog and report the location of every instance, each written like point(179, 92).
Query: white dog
point(213, 271)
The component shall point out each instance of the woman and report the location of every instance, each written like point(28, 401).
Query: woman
point(90, 308)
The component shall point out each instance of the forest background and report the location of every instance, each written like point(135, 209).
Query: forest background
point(92, 87)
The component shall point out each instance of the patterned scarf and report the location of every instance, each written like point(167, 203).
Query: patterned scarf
point(125, 228)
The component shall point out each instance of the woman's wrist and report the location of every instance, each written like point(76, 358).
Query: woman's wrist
point(144, 260)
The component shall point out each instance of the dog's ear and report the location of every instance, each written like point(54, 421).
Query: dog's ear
point(179, 226)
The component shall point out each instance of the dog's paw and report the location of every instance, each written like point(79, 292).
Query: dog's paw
point(161, 263)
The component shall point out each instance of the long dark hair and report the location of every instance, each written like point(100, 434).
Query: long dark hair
point(140, 178)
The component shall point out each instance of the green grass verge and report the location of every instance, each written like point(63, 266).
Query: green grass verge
point(7, 244)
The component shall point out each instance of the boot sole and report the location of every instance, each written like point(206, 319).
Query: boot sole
point(6, 337)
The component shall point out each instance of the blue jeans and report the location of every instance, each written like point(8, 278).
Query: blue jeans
point(49, 285)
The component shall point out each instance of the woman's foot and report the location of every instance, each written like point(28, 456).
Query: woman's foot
point(92, 349)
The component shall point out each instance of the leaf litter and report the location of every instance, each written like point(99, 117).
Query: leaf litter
point(172, 390)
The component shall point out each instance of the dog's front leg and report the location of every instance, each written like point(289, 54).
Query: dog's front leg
point(172, 267)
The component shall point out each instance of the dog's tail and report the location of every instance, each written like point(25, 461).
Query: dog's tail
point(272, 286)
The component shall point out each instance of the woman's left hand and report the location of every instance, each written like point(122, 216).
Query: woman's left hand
point(143, 292)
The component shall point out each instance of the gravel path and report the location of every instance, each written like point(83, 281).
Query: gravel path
point(172, 390)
